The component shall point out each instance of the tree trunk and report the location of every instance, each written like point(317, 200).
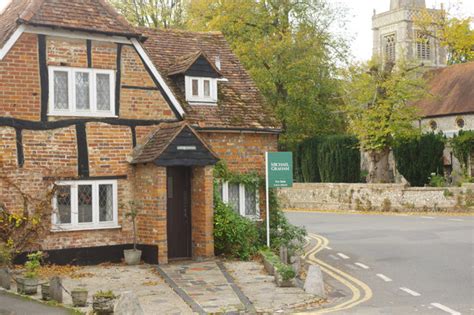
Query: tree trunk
point(379, 167)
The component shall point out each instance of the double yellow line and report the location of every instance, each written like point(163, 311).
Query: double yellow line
point(360, 291)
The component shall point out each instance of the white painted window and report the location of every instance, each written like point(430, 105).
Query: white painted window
point(81, 92)
point(201, 90)
point(85, 205)
point(244, 200)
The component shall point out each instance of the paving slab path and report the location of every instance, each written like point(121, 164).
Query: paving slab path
point(11, 304)
point(205, 284)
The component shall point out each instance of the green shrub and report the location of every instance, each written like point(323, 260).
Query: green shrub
point(308, 153)
point(5, 255)
point(282, 232)
point(418, 157)
point(333, 158)
point(234, 235)
point(463, 146)
point(285, 271)
point(33, 264)
point(338, 159)
point(437, 180)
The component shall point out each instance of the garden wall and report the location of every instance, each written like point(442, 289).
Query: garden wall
point(382, 197)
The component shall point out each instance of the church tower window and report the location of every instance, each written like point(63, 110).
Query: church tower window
point(423, 47)
point(389, 43)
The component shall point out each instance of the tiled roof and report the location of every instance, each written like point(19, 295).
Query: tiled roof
point(451, 91)
point(183, 63)
point(86, 15)
point(240, 104)
point(158, 140)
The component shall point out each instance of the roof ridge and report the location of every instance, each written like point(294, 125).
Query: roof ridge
point(30, 10)
point(176, 30)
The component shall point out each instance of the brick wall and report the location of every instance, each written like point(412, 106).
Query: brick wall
point(202, 211)
point(19, 80)
point(149, 183)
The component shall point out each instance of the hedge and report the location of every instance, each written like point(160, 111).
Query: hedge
point(417, 158)
point(328, 159)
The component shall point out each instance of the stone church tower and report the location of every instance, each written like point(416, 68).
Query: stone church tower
point(396, 36)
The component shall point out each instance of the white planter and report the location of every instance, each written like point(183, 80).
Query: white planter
point(132, 256)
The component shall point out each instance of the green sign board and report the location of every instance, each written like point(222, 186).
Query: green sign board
point(279, 169)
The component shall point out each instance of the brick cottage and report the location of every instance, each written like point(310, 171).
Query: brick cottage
point(113, 114)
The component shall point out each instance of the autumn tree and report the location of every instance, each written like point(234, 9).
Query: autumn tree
point(455, 34)
point(379, 110)
point(153, 13)
point(289, 50)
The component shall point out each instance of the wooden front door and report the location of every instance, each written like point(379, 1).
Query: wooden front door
point(179, 212)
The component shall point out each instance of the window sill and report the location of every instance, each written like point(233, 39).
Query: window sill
point(82, 115)
point(59, 229)
point(197, 103)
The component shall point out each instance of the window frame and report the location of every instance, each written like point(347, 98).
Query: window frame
point(72, 108)
point(389, 46)
point(96, 224)
point(200, 98)
point(422, 46)
point(242, 192)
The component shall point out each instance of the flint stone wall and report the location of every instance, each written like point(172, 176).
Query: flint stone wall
point(382, 197)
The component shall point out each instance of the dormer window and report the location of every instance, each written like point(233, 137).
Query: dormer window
point(81, 92)
point(201, 90)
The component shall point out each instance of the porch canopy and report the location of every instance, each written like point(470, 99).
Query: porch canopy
point(174, 144)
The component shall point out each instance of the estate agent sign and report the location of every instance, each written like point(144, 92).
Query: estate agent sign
point(279, 174)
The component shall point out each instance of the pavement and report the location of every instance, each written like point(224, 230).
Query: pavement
point(394, 264)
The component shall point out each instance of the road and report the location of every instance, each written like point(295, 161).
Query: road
point(15, 305)
point(412, 264)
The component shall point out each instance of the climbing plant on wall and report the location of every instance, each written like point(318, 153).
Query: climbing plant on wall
point(418, 157)
point(463, 146)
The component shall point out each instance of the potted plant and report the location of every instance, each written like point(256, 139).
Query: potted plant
point(103, 302)
point(29, 283)
point(5, 260)
point(79, 297)
point(133, 256)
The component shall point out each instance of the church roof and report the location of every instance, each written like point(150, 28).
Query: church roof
point(451, 91)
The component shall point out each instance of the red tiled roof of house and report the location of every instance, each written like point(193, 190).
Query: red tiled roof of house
point(240, 104)
point(86, 15)
point(451, 91)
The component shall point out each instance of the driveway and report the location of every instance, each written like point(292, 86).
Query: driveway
point(413, 264)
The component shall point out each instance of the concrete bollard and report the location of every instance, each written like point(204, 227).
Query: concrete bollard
point(5, 279)
point(314, 283)
point(56, 289)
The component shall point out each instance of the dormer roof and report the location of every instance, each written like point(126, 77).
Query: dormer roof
point(184, 63)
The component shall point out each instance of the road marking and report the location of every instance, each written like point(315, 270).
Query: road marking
point(362, 265)
point(411, 292)
point(458, 220)
point(445, 308)
point(327, 247)
point(428, 217)
point(360, 291)
point(343, 256)
point(384, 277)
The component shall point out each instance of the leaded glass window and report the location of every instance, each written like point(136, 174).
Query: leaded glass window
point(63, 194)
point(84, 201)
point(234, 196)
point(250, 201)
point(105, 203)
point(61, 90)
point(423, 47)
point(207, 88)
point(82, 91)
point(103, 91)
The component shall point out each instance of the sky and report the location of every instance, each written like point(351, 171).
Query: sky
point(360, 19)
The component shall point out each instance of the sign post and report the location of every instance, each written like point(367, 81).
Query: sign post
point(278, 174)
